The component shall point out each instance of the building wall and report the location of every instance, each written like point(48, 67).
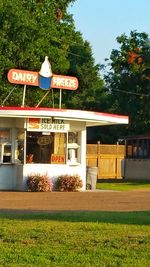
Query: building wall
point(14, 176)
point(137, 169)
point(7, 177)
point(53, 171)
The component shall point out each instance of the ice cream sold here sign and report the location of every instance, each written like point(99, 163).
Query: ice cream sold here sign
point(46, 125)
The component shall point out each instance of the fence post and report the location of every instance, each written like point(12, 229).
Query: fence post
point(117, 160)
point(98, 158)
point(116, 171)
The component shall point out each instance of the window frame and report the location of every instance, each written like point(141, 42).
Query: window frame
point(7, 141)
point(138, 148)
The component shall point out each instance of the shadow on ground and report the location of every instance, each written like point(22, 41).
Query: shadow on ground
point(135, 218)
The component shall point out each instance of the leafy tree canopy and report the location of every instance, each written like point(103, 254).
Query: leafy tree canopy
point(128, 81)
point(29, 31)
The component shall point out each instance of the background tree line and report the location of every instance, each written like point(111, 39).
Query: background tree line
point(32, 29)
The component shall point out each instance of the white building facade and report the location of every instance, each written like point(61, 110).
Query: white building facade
point(45, 141)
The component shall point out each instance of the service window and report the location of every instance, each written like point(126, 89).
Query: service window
point(48, 147)
point(7, 153)
point(5, 145)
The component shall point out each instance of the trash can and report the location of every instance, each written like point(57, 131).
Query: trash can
point(91, 177)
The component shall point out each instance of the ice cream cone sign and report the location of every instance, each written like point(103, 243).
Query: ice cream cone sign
point(45, 75)
point(45, 79)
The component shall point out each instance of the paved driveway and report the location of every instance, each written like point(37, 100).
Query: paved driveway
point(90, 200)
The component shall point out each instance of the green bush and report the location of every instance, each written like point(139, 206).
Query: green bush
point(39, 183)
point(69, 183)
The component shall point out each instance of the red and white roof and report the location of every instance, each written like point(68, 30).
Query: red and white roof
point(89, 117)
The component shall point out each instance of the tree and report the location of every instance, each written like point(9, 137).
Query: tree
point(32, 29)
point(29, 31)
point(128, 81)
point(91, 86)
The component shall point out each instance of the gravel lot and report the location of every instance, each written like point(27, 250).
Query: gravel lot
point(138, 200)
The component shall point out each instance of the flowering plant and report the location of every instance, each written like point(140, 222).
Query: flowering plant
point(69, 183)
point(39, 183)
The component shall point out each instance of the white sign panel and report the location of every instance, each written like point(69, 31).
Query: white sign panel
point(47, 125)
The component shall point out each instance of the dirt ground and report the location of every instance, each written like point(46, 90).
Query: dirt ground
point(98, 200)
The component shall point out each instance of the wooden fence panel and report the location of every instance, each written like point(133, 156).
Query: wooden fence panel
point(108, 159)
point(91, 160)
point(106, 167)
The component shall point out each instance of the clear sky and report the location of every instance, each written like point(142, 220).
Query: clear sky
point(101, 21)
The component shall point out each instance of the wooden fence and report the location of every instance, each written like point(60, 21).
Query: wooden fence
point(108, 159)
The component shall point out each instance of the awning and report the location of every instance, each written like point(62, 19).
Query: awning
point(91, 118)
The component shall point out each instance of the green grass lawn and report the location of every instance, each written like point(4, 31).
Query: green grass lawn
point(121, 185)
point(75, 239)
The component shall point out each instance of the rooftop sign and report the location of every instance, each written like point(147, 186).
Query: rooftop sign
point(64, 82)
point(27, 77)
point(23, 77)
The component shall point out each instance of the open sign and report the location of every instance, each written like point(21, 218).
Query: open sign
point(57, 159)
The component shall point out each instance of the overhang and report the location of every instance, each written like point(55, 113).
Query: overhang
point(91, 118)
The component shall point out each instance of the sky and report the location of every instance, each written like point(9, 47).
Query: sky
point(101, 21)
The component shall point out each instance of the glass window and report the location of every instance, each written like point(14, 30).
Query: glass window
point(74, 148)
point(7, 153)
point(4, 135)
point(46, 148)
point(5, 146)
point(1, 153)
point(138, 148)
point(19, 150)
point(129, 150)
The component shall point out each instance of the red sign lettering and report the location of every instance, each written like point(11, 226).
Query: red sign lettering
point(57, 159)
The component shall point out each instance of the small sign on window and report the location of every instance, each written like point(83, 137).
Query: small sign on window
point(57, 159)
